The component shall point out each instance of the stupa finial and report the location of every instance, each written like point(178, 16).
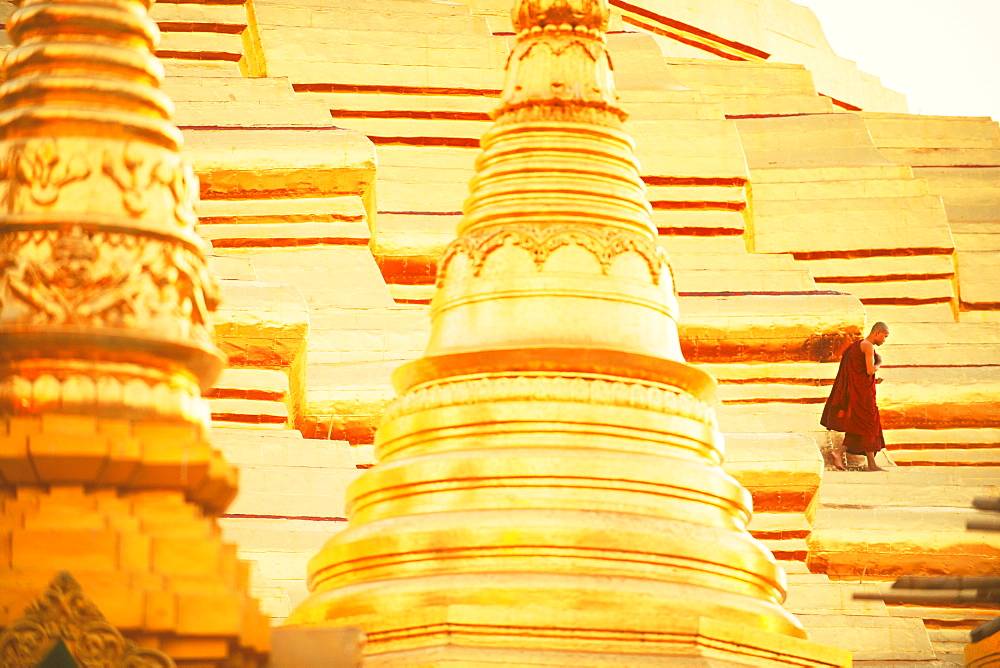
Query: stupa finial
point(563, 14)
point(560, 68)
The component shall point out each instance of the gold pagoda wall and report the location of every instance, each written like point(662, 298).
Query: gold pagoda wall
point(331, 187)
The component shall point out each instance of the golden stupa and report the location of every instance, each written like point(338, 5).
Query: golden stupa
point(334, 142)
point(549, 487)
point(106, 344)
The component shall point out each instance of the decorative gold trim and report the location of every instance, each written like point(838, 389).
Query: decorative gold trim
point(63, 612)
point(606, 244)
point(105, 279)
point(523, 387)
point(529, 14)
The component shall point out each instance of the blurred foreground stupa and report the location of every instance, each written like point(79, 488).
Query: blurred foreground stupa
point(105, 348)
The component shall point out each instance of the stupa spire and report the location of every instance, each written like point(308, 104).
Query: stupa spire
point(549, 487)
point(106, 340)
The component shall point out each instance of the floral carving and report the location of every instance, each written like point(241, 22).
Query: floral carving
point(632, 394)
point(137, 173)
point(133, 174)
point(64, 613)
point(41, 168)
point(183, 185)
point(103, 279)
point(606, 244)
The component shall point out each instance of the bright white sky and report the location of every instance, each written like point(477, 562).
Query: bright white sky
point(944, 55)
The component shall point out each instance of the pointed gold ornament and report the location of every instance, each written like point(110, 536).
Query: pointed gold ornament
point(549, 487)
point(64, 614)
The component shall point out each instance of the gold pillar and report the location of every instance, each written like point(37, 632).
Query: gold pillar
point(106, 342)
point(549, 488)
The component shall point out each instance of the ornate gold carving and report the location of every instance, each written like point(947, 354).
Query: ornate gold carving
point(132, 174)
point(183, 183)
point(606, 244)
point(528, 14)
point(523, 387)
point(138, 174)
point(105, 389)
point(105, 279)
point(41, 168)
point(560, 68)
point(64, 613)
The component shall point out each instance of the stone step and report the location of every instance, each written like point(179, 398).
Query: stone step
point(254, 427)
point(905, 520)
point(771, 525)
point(341, 209)
point(250, 411)
point(940, 360)
point(753, 78)
point(878, 268)
point(273, 114)
point(389, 104)
point(951, 457)
point(884, 641)
point(327, 276)
point(782, 472)
point(759, 393)
point(964, 616)
point(796, 568)
point(812, 140)
point(349, 336)
point(209, 15)
point(770, 418)
point(978, 242)
point(449, 131)
point(697, 218)
point(815, 593)
point(939, 439)
point(943, 493)
point(260, 325)
point(256, 163)
point(345, 401)
point(787, 549)
point(857, 202)
point(739, 106)
point(932, 333)
point(942, 313)
point(830, 172)
point(255, 384)
point(190, 88)
point(201, 68)
point(285, 476)
point(822, 191)
point(420, 76)
point(737, 279)
point(273, 235)
point(281, 549)
point(929, 141)
point(805, 373)
point(924, 289)
point(201, 46)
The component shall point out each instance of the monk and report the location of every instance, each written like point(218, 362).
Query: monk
point(851, 407)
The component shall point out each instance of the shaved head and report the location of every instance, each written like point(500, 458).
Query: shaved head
point(879, 327)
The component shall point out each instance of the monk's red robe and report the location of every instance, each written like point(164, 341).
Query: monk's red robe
point(851, 407)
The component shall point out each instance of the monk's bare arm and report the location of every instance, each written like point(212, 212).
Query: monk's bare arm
point(869, 350)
